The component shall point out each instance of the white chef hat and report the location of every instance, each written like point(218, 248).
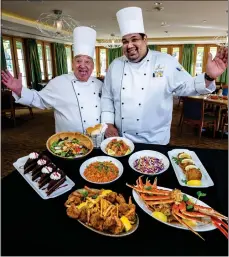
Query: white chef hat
point(84, 39)
point(130, 20)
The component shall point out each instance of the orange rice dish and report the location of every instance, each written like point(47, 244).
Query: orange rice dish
point(101, 172)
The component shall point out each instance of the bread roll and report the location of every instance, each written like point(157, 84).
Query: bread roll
point(92, 131)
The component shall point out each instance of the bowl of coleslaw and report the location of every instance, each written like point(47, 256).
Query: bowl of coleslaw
point(149, 162)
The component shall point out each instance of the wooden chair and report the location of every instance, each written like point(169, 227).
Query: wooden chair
point(224, 123)
point(9, 106)
point(193, 115)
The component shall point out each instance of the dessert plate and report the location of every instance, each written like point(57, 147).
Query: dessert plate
point(66, 186)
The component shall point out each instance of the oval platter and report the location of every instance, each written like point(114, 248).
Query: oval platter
point(198, 228)
point(132, 230)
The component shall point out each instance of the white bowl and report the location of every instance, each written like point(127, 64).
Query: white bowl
point(116, 162)
point(149, 153)
point(107, 141)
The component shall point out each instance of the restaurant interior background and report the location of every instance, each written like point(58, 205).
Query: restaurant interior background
point(187, 30)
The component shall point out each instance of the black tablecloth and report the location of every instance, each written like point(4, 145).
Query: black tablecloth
point(33, 226)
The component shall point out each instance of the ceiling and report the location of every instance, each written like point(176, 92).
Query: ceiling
point(185, 18)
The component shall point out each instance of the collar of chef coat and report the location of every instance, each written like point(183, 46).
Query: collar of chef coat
point(83, 83)
point(138, 64)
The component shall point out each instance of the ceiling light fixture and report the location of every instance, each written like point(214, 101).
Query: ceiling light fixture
point(158, 3)
point(56, 24)
point(111, 42)
point(222, 40)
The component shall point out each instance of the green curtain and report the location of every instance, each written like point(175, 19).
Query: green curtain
point(34, 62)
point(3, 62)
point(3, 57)
point(61, 59)
point(224, 77)
point(188, 57)
point(152, 47)
point(114, 53)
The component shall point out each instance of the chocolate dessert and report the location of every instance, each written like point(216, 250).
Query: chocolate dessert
point(45, 174)
point(43, 161)
point(31, 162)
point(56, 179)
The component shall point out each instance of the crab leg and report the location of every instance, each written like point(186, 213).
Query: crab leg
point(155, 197)
point(220, 225)
point(175, 211)
point(153, 191)
point(160, 202)
point(182, 207)
point(209, 211)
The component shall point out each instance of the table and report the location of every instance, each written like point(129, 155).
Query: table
point(220, 102)
point(33, 226)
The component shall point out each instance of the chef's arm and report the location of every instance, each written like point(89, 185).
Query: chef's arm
point(181, 83)
point(107, 102)
point(43, 99)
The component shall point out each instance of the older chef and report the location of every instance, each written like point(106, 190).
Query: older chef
point(74, 97)
point(137, 96)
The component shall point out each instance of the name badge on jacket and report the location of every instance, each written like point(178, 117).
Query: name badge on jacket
point(159, 71)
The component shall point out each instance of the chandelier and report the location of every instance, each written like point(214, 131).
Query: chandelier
point(111, 42)
point(222, 40)
point(56, 25)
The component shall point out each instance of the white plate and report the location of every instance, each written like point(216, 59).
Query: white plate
point(107, 141)
point(200, 228)
point(18, 165)
point(149, 153)
point(206, 179)
point(116, 162)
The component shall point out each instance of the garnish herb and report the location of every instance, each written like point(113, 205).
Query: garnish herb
point(200, 194)
point(185, 198)
point(184, 181)
point(148, 188)
point(189, 207)
point(177, 160)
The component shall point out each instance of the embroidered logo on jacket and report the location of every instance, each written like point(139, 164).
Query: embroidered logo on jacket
point(159, 71)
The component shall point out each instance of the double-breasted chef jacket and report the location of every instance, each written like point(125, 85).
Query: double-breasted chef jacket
point(138, 97)
point(76, 104)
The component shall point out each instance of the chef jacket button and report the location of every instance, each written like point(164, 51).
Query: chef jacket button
point(97, 119)
point(78, 93)
point(147, 60)
point(81, 107)
point(122, 118)
point(136, 133)
point(74, 81)
point(139, 104)
point(137, 119)
point(124, 132)
point(122, 103)
point(84, 121)
point(94, 93)
point(125, 74)
point(123, 88)
point(96, 106)
point(144, 73)
point(93, 81)
point(142, 88)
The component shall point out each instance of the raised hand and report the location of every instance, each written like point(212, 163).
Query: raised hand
point(215, 67)
point(12, 83)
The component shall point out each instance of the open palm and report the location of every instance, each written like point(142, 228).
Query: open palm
point(215, 67)
point(12, 83)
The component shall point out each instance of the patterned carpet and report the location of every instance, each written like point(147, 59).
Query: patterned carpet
point(31, 134)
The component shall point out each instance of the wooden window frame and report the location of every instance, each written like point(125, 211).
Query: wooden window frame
point(69, 46)
point(98, 70)
point(170, 47)
point(12, 53)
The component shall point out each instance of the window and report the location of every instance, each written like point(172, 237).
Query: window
point(213, 51)
point(69, 58)
point(164, 50)
point(48, 59)
point(41, 58)
point(94, 73)
point(176, 52)
point(103, 61)
point(199, 60)
point(20, 60)
point(8, 50)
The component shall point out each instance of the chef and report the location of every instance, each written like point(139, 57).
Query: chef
point(137, 96)
point(74, 97)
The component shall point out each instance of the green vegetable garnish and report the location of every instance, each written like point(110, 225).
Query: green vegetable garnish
point(148, 188)
point(184, 181)
point(200, 194)
point(177, 160)
point(94, 196)
point(83, 192)
point(189, 207)
point(185, 198)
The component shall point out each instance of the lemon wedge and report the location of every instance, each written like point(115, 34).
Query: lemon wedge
point(106, 192)
point(82, 205)
point(127, 152)
point(194, 183)
point(160, 216)
point(191, 223)
point(184, 155)
point(110, 152)
point(187, 161)
point(189, 167)
point(126, 223)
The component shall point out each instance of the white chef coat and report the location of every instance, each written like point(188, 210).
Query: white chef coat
point(140, 102)
point(76, 104)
